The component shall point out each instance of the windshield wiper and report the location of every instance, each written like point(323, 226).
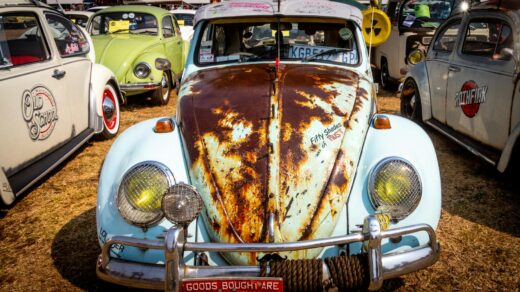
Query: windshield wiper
point(327, 52)
point(146, 32)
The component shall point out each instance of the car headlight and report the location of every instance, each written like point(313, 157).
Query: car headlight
point(415, 57)
point(141, 191)
point(395, 187)
point(142, 70)
point(181, 204)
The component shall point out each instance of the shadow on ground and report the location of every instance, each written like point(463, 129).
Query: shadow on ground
point(474, 190)
point(74, 252)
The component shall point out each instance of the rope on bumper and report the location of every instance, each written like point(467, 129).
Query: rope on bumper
point(299, 275)
point(347, 273)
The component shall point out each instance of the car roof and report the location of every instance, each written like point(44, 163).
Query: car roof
point(184, 11)
point(73, 12)
point(33, 3)
point(298, 8)
point(134, 8)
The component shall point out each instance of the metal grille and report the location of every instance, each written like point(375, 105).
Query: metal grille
point(407, 188)
point(182, 204)
point(141, 191)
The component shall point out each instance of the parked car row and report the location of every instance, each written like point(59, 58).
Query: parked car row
point(70, 83)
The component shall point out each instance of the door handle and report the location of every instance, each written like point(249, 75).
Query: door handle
point(58, 74)
point(179, 42)
point(454, 69)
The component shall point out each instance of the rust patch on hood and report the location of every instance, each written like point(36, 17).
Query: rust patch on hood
point(261, 143)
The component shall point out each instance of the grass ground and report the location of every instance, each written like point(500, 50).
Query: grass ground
point(48, 238)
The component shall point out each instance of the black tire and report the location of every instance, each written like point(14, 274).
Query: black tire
point(111, 112)
point(384, 76)
point(161, 95)
point(411, 101)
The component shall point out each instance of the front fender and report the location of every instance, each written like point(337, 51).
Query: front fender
point(148, 57)
point(419, 74)
point(137, 144)
point(100, 76)
point(405, 140)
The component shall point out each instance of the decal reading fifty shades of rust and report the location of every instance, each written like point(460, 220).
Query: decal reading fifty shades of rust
point(470, 97)
point(40, 112)
point(263, 142)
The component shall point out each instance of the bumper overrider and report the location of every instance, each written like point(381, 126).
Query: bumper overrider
point(169, 276)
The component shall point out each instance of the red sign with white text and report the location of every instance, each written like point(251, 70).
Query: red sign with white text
point(233, 284)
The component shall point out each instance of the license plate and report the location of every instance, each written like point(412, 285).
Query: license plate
point(233, 284)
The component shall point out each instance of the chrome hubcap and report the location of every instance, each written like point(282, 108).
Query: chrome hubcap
point(109, 108)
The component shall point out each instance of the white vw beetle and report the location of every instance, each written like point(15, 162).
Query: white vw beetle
point(467, 88)
point(276, 171)
point(54, 98)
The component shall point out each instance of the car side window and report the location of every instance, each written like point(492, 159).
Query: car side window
point(167, 27)
point(68, 37)
point(21, 40)
point(490, 38)
point(447, 38)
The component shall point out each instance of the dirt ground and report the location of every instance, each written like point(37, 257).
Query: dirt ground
point(48, 238)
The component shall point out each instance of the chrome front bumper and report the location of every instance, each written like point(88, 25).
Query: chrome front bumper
point(150, 276)
point(129, 87)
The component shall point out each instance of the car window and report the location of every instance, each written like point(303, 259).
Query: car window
point(78, 19)
point(124, 22)
point(184, 18)
point(235, 41)
point(447, 38)
point(489, 38)
point(167, 27)
point(69, 39)
point(21, 40)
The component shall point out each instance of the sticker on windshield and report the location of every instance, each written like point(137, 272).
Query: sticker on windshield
point(118, 25)
point(131, 15)
point(125, 16)
point(206, 58)
point(303, 51)
point(346, 34)
point(409, 20)
point(470, 97)
point(39, 112)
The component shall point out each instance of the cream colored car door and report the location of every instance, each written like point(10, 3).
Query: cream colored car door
point(481, 82)
point(34, 109)
point(73, 46)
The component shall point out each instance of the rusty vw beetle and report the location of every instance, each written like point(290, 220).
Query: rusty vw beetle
point(276, 172)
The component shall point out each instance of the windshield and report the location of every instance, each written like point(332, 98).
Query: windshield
point(184, 19)
point(308, 41)
point(124, 22)
point(425, 13)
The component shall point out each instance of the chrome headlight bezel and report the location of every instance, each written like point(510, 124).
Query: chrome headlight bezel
point(123, 202)
point(142, 70)
point(396, 211)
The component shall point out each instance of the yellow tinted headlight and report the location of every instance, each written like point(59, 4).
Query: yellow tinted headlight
point(395, 187)
point(415, 57)
point(141, 191)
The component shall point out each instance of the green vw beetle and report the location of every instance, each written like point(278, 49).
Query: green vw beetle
point(142, 45)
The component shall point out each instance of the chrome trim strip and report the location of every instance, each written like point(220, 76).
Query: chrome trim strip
point(381, 267)
point(467, 147)
point(139, 86)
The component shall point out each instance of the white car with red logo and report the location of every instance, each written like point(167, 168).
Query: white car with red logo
point(467, 88)
point(54, 97)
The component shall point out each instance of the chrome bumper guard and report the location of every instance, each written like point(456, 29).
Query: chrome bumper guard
point(139, 86)
point(152, 276)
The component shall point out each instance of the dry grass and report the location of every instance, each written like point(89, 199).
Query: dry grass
point(48, 238)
